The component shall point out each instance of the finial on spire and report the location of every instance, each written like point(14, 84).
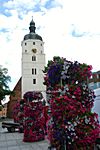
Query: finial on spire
point(32, 17)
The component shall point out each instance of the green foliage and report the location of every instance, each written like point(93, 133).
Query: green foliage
point(4, 80)
point(0, 107)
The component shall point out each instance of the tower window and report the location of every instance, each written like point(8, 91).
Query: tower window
point(33, 70)
point(33, 58)
point(33, 43)
point(34, 81)
point(25, 43)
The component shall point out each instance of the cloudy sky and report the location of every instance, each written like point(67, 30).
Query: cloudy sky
point(69, 28)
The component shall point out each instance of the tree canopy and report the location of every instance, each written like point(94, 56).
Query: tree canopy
point(4, 80)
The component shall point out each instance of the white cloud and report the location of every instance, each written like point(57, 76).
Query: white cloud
point(19, 4)
point(56, 26)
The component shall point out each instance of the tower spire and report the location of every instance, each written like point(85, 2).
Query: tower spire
point(32, 26)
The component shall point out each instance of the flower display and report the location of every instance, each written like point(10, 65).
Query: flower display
point(18, 114)
point(21, 115)
point(33, 95)
point(16, 110)
point(34, 123)
point(31, 113)
point(71, 125)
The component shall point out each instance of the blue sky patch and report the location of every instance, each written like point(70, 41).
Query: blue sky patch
point(6, 13)
point(3, 30)
point(3, 10)
point(51, 4)
point(37, 8)
point(75, 33)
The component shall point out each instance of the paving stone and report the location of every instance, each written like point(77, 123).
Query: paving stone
point(11, 143)
point(26, 147)
point(3, 144)
point(4, 148)
point(14, 148)
point(14, 141)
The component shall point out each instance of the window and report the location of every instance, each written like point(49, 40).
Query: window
point(41, 44)
point(25, 50)
point(33, 43)
point(97, 76)
point(99, 84)
point(33, 70)
point(33, 58)
point(34, 81)
point(25, 43)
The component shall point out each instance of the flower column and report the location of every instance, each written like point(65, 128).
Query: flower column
point(71, 124)
point(34, 119)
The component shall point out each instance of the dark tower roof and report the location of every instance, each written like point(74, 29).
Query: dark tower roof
point(32, 34)
point(32, 26)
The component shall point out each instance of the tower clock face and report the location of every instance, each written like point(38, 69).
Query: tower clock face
point(34, 50)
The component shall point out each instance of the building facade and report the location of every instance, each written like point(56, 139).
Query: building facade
point(94, 82)
point(33, 61)
point(3, 111)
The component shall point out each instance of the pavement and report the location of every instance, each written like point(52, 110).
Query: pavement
point(14, 141)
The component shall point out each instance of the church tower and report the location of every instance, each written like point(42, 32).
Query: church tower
point(33, 61)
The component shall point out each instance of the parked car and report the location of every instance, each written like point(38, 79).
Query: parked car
point(12, 126)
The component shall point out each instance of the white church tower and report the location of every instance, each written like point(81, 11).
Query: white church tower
point(33, 62)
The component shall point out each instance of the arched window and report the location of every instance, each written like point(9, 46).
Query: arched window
point(33, 58)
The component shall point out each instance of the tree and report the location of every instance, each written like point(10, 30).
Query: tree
point(71, 124)
point(4, 80)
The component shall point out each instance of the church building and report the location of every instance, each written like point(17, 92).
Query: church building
point(32, 66)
